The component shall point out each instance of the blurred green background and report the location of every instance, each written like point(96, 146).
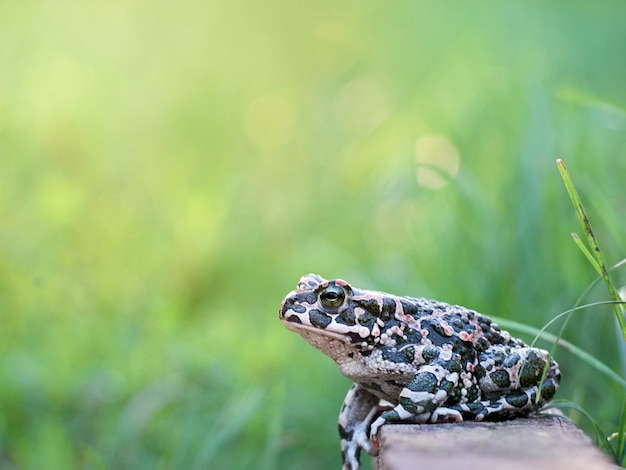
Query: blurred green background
point(168, 170)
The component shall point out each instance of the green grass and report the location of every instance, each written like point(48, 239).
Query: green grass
point(614, 442)
point(169, 170)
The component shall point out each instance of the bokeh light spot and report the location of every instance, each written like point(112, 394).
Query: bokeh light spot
point(363, 104)
point(438, 161)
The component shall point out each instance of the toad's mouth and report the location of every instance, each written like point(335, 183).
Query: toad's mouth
point(311, 331)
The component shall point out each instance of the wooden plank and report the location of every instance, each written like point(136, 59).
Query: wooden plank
point(538, 443)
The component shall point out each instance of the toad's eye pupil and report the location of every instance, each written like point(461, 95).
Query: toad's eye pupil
point(332, 297)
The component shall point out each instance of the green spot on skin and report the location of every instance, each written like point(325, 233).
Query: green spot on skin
point(454, 396)
point(370, 306)
point(517, 400)
point(429, 353)
point(367, 319)
point(511, 360)
point(447, 386)
point(439, 329)
point(391, 416)
point(479, 372)
point(319, 319)
point(454, 366)
point(481, 345)
point(476, 408)
point(408, 405)
point(409, 353)
point(348, 316)
point(501, 378)
point(428, 406)
point(399, 357)
point(548, 389)
point(472, 393)
point(424, 382)
point(388, 310)
point(531, 370)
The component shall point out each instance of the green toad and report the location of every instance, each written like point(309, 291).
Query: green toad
point(414, 360)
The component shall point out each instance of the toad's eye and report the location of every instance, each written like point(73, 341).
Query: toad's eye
point(332, 296)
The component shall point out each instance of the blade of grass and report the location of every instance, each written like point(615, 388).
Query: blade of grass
point(567, 312)
point(600, 264)
point(577, 306)
point(620, 449)
point(587, 253)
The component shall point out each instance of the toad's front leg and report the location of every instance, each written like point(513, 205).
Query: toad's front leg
point(357, 412)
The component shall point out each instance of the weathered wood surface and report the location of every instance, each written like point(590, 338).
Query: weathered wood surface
point(539, 443)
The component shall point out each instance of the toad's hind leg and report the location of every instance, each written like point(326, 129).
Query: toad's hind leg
point(517, 403)
point(525, 379)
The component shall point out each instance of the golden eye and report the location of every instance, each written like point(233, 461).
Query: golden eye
point(332, 296)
